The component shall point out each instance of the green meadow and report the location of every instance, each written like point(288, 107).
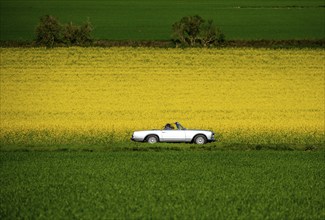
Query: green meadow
point(152, 20)
point(162, 185)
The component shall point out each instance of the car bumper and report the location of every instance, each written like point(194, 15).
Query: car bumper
point(135, 139)
point(212, 139)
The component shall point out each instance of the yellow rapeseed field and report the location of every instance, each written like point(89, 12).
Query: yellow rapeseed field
point(244, 95)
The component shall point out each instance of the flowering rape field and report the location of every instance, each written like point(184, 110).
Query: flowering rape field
point(91, 96)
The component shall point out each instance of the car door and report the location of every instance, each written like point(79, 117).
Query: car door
point(173, 135)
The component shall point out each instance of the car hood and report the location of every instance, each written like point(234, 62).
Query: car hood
point(198, 130)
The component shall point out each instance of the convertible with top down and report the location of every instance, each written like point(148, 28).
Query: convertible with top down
point(174, 132)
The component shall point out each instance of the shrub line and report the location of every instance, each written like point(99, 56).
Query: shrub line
point(320, 43)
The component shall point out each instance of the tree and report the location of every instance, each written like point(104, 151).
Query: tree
point(48, 31)
point(210, 34)
point(188, 29)
point(194, 30)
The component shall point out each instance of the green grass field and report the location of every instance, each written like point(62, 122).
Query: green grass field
point(162, 185)
point(152, 20)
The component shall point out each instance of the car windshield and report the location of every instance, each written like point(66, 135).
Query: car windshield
point(179, 126)
point(173, 126)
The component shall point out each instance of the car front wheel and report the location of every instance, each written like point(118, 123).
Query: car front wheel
point(200, 139)
point(152, 139)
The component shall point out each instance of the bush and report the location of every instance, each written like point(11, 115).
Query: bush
point(51, 32)
point(85, 32)
point(70, 33)
point(194, 30)
point(77, 35)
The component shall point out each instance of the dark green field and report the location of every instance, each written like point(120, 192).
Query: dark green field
point(162, 185)
point(152, 20)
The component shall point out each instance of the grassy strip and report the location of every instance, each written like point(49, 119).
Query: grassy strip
point(120, 146)
point(170, 44)
point(166, 185)
point(125, 146)
point(139, 146)
point(94, 140)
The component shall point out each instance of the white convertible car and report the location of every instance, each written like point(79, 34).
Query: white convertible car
point(174, 132)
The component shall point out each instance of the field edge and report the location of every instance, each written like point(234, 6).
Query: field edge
point(261, 43)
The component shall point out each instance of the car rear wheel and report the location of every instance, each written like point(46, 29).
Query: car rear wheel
point(200, 139)
point(152, 139)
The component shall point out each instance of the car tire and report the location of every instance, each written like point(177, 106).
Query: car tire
point(152, 139)
point(200, 139)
